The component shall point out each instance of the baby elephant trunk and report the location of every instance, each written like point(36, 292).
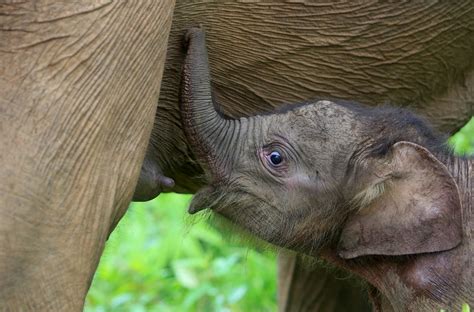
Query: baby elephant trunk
point(209, 133)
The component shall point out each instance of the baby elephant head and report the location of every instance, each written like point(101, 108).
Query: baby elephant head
point(321, 173)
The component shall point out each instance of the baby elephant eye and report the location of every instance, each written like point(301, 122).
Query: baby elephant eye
point(275, 158)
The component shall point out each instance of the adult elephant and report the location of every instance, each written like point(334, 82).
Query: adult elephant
point(79, 85)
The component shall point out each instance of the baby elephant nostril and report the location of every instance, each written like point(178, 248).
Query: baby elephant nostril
point(276, 158)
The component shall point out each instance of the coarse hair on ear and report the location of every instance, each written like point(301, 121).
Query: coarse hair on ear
point(409, 204)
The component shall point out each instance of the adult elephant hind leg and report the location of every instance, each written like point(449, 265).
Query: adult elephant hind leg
point(78, 91)
point(453, 107)
point(316, 289)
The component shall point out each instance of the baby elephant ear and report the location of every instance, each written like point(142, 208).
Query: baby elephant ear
point(417, 208)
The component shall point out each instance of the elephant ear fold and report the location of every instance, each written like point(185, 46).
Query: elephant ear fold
point(411, 205)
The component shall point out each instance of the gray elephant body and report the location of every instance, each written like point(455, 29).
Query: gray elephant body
point(375, 191)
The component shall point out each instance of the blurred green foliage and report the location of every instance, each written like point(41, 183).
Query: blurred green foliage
point(465, 308)
point(157, 260)
point(463, 140)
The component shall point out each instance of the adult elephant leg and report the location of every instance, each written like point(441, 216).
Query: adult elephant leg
point(453, 108)
point(79, 83)
point(317, 288)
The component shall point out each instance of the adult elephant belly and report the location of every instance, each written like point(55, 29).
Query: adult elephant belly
point(262, 55)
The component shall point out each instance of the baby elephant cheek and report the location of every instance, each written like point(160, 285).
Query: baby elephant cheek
point(306, 184)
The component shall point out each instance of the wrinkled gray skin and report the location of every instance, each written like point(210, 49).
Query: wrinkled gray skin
point(373, 191)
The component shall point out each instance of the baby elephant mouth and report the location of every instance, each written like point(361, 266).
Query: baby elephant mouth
point(196, 206)
point(206, 198)
point(193, 209)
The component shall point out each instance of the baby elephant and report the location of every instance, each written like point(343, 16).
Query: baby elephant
point(374, 191)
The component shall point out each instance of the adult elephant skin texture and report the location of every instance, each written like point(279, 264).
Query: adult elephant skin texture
point(374, 191)
point(79, 83)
